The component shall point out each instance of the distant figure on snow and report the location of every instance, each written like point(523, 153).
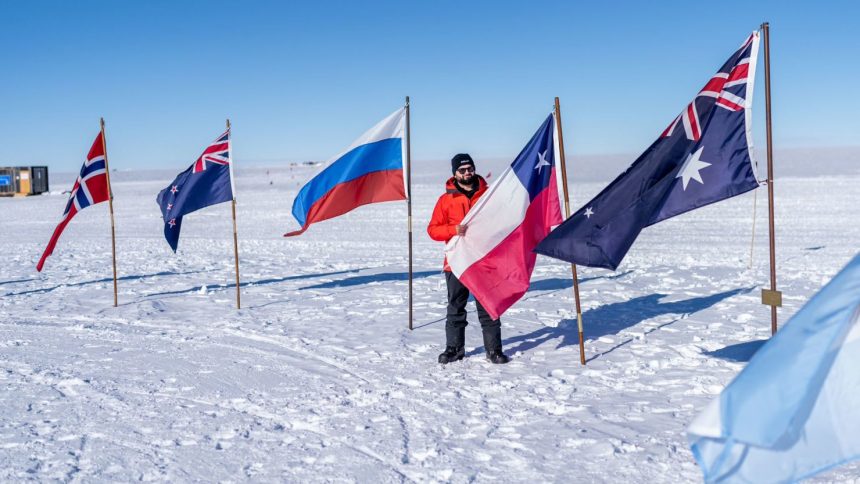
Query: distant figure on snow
point(461, 192)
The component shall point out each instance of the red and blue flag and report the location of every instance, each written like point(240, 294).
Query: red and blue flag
point(91, 187)
point(369, 171)
point(494, 258)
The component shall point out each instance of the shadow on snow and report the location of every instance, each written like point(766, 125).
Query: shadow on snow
point(15, 281)
point(615, 317)
point(261, 282)
point(559, 283)
point(98, 281)
point(740, 352)
point(551, 285)
point(359, 280)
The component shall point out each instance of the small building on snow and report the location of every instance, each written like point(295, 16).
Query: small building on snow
point(23, 180)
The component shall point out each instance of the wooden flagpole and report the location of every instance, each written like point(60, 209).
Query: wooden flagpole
point(235, 236)
point(772, 297)
point(409, 203)
point(110, 205)
point(567, 215)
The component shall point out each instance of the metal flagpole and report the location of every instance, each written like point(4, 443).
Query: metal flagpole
point(110, 205)
point(567, 215)
point(409, 203)
point(772, 297)
point(235, 236)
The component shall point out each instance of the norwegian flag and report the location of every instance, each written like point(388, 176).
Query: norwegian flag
point(90, 187)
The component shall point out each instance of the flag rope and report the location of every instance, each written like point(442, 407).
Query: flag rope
point(235, 234)
point(752, 239)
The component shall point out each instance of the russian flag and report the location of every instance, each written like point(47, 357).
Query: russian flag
point(494, 258)
point(369, 171)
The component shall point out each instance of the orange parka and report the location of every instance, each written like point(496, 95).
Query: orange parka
point(451, 209)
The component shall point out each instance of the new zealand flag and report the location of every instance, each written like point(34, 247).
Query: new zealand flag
point(703, 157)
point(206, 182)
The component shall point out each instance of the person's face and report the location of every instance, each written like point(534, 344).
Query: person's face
point(465, 174)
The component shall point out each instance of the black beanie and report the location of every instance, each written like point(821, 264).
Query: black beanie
point(459, 160)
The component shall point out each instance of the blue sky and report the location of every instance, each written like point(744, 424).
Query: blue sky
point(300, 81)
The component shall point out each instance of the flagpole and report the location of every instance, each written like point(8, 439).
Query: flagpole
point(409, 203)
point(773, 297)
point(566, 216)
point(235, 236)
point(110, 205)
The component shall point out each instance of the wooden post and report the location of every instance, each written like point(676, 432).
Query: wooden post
point(235, 236)
point(772, 297)
point(110, 205)
point(567, 215)
point(409, 203)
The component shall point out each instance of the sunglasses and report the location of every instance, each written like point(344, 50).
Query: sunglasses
point(466, 169)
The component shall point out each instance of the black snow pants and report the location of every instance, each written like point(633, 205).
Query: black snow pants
point(455, 324)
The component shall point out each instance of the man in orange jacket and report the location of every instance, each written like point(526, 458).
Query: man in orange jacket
point(462, 191)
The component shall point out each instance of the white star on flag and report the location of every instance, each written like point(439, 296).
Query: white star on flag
point(174, 189)
point(172, 222)
point(588, 212)
point(690, 169)
point(541, 162)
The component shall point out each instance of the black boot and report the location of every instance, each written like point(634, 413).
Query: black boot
point(452, 354)
point(455, 342)
point(497, 357)
point(493, 343)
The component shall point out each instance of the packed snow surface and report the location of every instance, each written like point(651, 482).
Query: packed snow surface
point(318, 378)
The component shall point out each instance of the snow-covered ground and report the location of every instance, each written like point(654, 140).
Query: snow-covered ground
point(317, 377)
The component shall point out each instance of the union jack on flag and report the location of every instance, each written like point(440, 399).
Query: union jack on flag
point(726, 89)
point(91, 187)
point(206, 182)
point(707, 160)
point(218, 152)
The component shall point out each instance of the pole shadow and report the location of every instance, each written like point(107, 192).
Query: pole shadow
point(740, 352)
point(613, 318)
point(20, 280)
point(106, 279)
point(560, 283)
point(554, 284)
point(367, 279)
point(261, 282)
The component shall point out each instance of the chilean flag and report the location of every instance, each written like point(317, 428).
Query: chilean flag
point(494, 259)
point(369, 171)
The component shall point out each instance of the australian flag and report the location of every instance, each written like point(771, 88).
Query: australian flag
point(703, 157)
point(206, 182)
